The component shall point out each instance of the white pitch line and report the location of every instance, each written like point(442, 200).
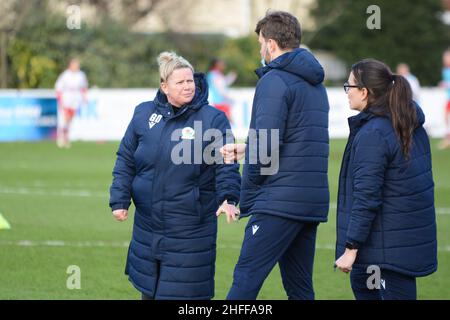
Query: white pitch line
point(443, 210)
point(98, 194)
point(59, 193)
point(125, 244)
point(61, 243)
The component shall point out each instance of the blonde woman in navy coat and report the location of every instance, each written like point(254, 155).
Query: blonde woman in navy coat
point(173, 248)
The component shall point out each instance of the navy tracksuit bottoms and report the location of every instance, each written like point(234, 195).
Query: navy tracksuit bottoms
point(269, 240)
point(393, 286)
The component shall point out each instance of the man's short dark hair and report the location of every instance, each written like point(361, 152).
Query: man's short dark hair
point(282, 27)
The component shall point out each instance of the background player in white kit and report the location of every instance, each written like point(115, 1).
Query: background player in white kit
point(71, 92)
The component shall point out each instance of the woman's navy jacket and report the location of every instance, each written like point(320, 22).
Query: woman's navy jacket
point(172, 251)
point(386, 202)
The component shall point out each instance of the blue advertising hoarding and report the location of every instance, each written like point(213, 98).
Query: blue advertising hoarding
point(27, 118)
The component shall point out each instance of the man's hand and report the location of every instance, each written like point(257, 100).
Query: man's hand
point(230, 210)
point(232, 152)
point(120, 214)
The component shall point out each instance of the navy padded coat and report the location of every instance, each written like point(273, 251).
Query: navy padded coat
point(289, 97)
point(173, 247)
point(385, 202)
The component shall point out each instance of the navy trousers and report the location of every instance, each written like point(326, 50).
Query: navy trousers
point(269, 240)
point(393, 286)
point(145, 297)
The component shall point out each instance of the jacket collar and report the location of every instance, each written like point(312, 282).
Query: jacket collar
point(357, 121)
point(299, 62)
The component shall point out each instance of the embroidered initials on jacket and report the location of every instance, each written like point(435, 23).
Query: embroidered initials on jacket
point(154, 119)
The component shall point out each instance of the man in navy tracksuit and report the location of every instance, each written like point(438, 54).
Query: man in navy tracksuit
point(287, 204)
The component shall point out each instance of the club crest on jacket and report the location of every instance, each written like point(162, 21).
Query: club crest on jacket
point(188, 133)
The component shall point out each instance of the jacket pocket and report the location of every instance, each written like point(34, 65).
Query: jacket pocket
point(141, 191)
point(198, 204)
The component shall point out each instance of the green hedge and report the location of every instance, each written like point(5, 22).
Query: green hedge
point(114, 57)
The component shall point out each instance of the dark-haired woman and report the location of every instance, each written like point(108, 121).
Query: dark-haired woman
point(386, 226)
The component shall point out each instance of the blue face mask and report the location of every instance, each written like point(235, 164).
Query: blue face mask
point(263, 60)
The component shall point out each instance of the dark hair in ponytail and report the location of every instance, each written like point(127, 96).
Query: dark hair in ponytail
point(388, 94)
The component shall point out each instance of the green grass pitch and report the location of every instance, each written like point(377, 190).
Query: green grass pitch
point(57, 204)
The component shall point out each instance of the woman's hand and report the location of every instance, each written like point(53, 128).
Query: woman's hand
point(120, 214)
point(232, 152)
point(230, 210)
point(345, 262)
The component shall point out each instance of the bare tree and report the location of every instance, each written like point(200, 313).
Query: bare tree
point(324, 21)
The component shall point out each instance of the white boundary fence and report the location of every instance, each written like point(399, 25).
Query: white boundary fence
point(108, 112)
